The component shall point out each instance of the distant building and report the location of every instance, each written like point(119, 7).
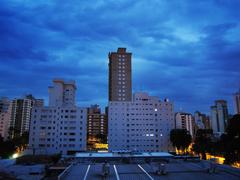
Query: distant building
point(5, 116)
point(62, 126)
point(21, 114)
point(219, 116)
point(236, 101)
point(96, 127)
point(62, 93)
point(143, 124)
point(120, 75)
point(184, 121)
point(201, 120)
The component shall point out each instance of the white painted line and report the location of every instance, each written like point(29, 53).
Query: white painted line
point(116, 172)
point(150, 177)
point(85, 177)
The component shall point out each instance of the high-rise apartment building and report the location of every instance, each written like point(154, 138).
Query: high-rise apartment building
point(236, 100)
point(143, 124)
point(21, 114)
point(120, 75)
point(5, 115)
point(219, 116)
point(96, 127)
point(184, 121)
point(62, 126)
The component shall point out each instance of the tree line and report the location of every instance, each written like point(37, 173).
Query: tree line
point(228, 145)
point(11, 146)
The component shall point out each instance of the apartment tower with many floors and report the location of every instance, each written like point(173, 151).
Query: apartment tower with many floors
point(139, 122)
point(120, 75)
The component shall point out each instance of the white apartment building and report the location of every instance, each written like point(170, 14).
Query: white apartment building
point(5, 115)
point(184, 121)
point(60, 127)
point(142, 125)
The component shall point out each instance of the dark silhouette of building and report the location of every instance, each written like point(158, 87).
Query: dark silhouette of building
point(120, 75)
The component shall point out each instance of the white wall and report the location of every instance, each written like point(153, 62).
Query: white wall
point(142, 125)
point(58, 130)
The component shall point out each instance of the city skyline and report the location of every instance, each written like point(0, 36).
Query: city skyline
point(191, 64)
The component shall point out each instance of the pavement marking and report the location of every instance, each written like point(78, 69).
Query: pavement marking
point(150, 177)
point(116, 172)
point(85, 177)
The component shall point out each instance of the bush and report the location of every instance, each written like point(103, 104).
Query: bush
point(38, 159)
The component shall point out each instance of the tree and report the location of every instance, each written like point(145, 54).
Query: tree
point(180, 138)
point(1, 139)
point(7, 148)
point(231, 140)
point(102, 138)
point(203, 140)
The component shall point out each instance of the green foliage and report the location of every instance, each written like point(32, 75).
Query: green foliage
point(231, 141)
point(7, 148)
point(203, 141)
point(21, 140)
point(228, 145)
point(233, 128)
point(180, 138)
point(38, 159)
point(56, 158)
point(102, 137)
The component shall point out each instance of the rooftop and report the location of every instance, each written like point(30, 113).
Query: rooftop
point(173, 170)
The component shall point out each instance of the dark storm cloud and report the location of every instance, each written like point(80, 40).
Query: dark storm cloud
point(187, 51)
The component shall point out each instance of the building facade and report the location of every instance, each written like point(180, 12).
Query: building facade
point(236, 100)
point(202, 120)
point(96, 127)
point(219, 116)
point(21, 114)
point(62, 126)
point(143, 124)
point(184, 121)
point(120, 75)
point(5, 116)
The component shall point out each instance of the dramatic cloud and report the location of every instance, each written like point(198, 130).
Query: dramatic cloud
point(188, 51)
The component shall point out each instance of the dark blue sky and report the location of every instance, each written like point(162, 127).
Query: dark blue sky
point(186, 50)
